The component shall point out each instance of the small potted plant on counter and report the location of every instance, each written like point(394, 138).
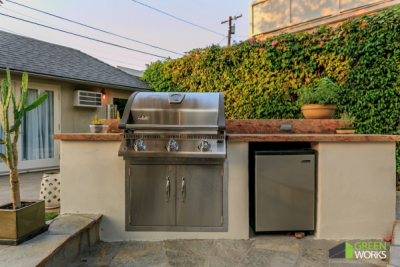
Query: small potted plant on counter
point(97, 126)
point(346, 121)
point(319, 101)
point(20, 220)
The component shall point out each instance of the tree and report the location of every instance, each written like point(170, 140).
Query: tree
point(11, 132)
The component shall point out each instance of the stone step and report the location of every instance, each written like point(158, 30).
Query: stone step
point(68, 235)
point(395, 246)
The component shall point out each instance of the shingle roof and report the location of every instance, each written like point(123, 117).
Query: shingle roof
point(30, 55)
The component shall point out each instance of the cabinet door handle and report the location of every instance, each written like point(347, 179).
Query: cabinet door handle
point(167, 189)
point(183, 192)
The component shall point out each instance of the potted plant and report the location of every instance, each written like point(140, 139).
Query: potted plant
point(97, 126)
point(19, 220)
point(346, 121)
point(319, 101)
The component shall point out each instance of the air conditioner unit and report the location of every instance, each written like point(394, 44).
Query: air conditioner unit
point(87, 99)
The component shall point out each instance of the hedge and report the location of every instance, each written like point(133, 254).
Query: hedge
point(261, 79)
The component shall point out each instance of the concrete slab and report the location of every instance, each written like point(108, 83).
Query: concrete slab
point(68, 224)
point(68, 236)
point(256, 257)
point(32, 252)
point(396, 234)
point(395, 255)
point(266, 251)
point(230, 248)
point(283, 243)
point(398, 205)
point(180, 254)
point(140, 254)
point(100, 254)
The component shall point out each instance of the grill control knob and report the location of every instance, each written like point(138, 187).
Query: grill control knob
point(172, 146)
point(205, 146)
point(139, 145)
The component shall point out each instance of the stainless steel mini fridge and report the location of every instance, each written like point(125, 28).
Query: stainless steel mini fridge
point(284, 190)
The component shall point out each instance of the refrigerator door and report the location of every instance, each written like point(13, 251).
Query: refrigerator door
point(285, 192)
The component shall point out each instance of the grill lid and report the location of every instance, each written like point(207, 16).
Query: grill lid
point(174, 111)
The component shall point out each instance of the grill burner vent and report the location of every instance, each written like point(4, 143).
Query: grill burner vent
point(174, 136)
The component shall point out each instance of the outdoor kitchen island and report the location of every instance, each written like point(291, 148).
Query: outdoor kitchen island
point(355, 180)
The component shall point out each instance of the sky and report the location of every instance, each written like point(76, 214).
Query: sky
point(132, 20)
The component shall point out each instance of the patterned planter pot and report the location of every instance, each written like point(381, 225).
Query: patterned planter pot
point(50, 189)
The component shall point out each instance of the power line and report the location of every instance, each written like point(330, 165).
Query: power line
point(32, 17)
point(82, 36)
point(75, 45)
point(189, 10)
point(93, 28)
point(92, 55)
point(165, 13)
point(117, 61)
point(222, 39)
point(210, 6)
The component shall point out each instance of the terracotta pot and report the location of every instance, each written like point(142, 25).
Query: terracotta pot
point(346, 130)
point(316, 111)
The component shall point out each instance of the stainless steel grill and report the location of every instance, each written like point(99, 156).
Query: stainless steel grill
point(174, 125)
point(174, 148)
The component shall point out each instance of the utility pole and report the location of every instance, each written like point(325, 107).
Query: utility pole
point(231, 30)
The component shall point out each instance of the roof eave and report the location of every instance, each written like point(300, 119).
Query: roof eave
point(111, 86)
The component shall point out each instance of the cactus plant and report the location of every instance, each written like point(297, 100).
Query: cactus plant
point(12, 131)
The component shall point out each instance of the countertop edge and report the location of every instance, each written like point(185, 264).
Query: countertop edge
point(312, 138)
point(251, 137)
point(88, 137)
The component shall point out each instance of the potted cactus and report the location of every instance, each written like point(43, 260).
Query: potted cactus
point(20, 220)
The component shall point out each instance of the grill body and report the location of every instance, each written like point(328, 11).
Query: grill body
point(174, 147)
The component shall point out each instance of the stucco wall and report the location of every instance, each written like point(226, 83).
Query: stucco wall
point(356, 194)
point(75, 119)
point(271, 17)
point(93, 182)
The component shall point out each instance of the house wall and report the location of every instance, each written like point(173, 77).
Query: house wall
point(271, 17)
point(75, 119)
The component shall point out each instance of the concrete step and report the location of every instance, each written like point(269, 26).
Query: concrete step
point(395, 246)
point(68, 235)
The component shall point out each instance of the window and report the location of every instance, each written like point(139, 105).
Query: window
point(121, 103)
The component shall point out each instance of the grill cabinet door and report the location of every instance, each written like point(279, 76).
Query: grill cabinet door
point(149, 194)
point(199, 195)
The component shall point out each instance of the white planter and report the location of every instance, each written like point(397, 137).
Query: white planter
point(50, 189)
point(98, 128)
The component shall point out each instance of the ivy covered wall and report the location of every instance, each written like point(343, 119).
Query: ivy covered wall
point(261, 79)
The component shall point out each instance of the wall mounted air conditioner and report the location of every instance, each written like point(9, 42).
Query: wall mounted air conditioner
point(87, 99)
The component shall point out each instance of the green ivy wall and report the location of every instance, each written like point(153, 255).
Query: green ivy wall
point(261, 79)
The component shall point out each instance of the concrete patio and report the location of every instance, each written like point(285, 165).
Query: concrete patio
point(29, 185)
point(259, 251)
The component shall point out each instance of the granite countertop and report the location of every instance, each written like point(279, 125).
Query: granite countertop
point(89, 137)
point(252, 137)
point(260, 131)
point(312, 138)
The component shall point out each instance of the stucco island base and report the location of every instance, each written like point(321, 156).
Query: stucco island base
point(355, 190)
point(93, 181)
point(356, 195)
